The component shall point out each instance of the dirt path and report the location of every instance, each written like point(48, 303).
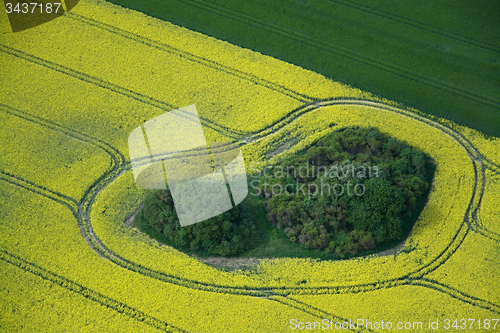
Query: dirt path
point(242, 263)
point(232, 264)
point(130, 220)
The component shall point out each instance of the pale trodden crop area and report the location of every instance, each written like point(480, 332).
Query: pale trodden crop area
point(72, 91)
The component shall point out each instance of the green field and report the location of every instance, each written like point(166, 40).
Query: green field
point(442, 58)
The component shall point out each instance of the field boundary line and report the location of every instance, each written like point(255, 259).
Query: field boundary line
point(109, 86)
point(192, 57)
point(346, 52)
point(86, 292)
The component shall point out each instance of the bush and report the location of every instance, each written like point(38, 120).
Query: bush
point(225, 234)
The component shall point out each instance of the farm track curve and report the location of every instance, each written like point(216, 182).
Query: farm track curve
point(410, 279)
point(89, 234)
point(119, 166)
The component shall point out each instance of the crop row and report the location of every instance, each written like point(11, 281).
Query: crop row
point(239, 105)
point(194, 47)
point(50, 239)
point(362, 289)
point(345, 52)
point(33, 303)
point(442, 60)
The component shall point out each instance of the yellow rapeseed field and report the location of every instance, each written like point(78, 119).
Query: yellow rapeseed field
point(74, 89)
point(40, 155)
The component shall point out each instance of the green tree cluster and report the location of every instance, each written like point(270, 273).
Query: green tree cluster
point(391, 174)
point(226, 234)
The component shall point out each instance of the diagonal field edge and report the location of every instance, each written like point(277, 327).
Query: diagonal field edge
point(308, 110)
point(192, 57)
point(347, 53)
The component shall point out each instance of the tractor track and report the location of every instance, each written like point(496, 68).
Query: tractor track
point(87, 232)
point(82, 213)
point(109, 86)
point(192, 57)
point(417, 24)
point(87, 293)
point(346, 52)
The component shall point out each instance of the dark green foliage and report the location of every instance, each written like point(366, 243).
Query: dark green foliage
point(392, 175)
point(226, 234)
point(326, 225)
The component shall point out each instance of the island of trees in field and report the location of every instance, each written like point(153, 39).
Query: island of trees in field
point(353, 190)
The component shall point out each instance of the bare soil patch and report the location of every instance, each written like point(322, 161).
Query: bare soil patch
point(229, 264)
point(130, 220)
